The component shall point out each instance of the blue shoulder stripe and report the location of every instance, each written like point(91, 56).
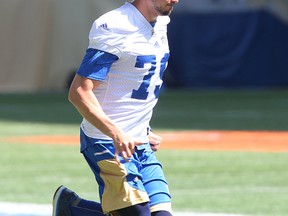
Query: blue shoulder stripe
point(96, 64)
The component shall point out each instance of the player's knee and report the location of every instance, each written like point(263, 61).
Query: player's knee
point(142, 209)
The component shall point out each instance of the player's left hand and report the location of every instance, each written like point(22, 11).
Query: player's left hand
point(154, 141)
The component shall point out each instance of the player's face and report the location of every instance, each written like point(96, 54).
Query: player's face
point(164, 7)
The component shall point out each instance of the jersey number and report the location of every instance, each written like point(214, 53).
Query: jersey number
point(142, 92)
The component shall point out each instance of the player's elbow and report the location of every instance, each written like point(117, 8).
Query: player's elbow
point(73, 95)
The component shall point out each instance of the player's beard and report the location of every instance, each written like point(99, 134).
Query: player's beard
point(164, 10)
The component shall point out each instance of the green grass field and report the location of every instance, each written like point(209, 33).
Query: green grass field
point(200, 181)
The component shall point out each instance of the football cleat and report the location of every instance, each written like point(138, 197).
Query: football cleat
point(62, 200)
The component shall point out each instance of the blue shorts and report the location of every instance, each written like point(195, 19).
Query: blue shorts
point(130, 183)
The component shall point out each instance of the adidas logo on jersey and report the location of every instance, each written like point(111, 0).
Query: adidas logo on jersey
point(157, 44)
point(104, 26)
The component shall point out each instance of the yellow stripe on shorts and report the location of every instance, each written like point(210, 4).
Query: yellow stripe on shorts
point(117, 192)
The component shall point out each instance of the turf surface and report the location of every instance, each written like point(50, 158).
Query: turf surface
point(231, 182)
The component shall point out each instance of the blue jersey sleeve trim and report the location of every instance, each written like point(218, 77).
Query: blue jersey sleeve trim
point(96, 64)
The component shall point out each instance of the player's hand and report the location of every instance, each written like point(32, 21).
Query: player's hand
point(154, 141)
point(125, 146)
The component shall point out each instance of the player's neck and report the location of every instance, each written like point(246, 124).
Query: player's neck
point(149, 14)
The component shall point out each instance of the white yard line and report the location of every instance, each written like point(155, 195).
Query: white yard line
point(27, 209)
point(24, 209)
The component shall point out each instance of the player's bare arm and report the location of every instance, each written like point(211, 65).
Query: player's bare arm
point(82, 97)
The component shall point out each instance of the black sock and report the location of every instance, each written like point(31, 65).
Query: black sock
point(161, 213)
point(142, 209)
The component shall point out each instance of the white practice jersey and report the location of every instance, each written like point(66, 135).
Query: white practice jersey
point(129, 90)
